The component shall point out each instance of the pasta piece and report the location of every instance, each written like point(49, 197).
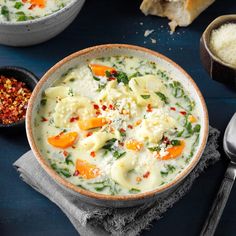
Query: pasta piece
point(144, 89)
point(69, 107)
point(97, 140)
point(57, 92)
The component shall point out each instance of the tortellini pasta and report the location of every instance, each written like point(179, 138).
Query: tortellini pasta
point(57, 92)
point(143, 89)
point(97, 140)
point(153, 128)
point(69, 107)
point(120, 173)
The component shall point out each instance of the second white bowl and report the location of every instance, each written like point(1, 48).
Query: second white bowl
point(40, 30)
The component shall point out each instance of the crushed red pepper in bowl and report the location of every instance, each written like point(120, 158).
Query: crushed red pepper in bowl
point(14, 98)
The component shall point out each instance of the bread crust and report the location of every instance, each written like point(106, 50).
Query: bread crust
point(189, 9)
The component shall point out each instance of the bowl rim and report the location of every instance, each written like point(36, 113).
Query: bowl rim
point(98, 196)
point(215, 24)
point(40, 19)
point(28, 74)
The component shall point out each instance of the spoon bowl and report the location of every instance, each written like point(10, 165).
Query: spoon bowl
point(229, 144)
point(229, 141)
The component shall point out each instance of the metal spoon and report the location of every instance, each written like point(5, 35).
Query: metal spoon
point(218, 206)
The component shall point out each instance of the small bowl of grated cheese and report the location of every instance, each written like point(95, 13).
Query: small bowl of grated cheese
point(218, 49)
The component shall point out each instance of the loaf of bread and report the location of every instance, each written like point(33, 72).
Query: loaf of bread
point(180, 12)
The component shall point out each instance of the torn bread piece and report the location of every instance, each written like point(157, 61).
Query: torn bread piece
point(180, 12)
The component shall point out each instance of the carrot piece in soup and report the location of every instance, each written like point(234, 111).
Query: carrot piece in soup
point(87, 170)
point(100, 70)
point(63, 140)
point(133, 145)
point(91, 123)
point(192, 119)
point(39, 3)
point(173, 152)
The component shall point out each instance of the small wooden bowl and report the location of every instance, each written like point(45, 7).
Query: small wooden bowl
point(216, 68)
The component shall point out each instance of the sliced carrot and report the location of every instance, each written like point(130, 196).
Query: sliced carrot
point(133, 145)
point(173, 152)
point(100, 70)
point(39, 3)
point(87, 170)
point(91, 123)
point(137, 123)
point(63, 140)
point(192, 119)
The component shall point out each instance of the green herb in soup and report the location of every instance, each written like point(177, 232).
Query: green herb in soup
point(23, 10)
point(118, 125)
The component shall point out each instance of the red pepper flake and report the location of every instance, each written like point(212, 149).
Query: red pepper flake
point(92, 154)
point(111, 78)
point(122, 130)
point(111, 107)
point(43, 119)
point(166, 140)
point(76, 173)
point(14, 97)
point(95, 106)
point(146, 175)
point(130, 126)
point(183, 113)
point(173, 108)
point(73, 119)
point(98, 113)
point(121, 144)
point(114, 72)
point(65, 153)
point(89, 134)
point(104, 107)
point(32, 6)
point(149, 108)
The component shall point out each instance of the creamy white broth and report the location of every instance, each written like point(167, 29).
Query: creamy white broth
point(23, 10)
point(142, 108)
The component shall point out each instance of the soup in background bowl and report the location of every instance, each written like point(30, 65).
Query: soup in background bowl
point(117, 124)
point(30, 22)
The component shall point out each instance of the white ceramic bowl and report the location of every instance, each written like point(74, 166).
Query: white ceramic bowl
point(36, 31)
point(111, 50)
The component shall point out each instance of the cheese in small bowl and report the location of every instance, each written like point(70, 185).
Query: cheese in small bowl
point(23, 10)
point(118, 125)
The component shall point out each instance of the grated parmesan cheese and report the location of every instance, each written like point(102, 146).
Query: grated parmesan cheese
point(223, 43)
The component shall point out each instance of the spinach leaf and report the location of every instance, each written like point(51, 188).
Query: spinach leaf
point(154, 149)
point(96, 78)
point(122, 77)
point(134, 190)
point(5, 12)
point(175, 142)
point(145, 96)
point(169, 169)
point(162, 97)
point(108, 145)
point(65, 172)
point(117, 155)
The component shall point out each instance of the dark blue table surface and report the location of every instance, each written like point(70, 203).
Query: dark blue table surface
point(23, 211)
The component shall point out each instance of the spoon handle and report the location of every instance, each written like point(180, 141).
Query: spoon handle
point(220, 202)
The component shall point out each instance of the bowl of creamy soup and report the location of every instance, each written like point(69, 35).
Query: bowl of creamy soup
point(118, 125)
point(29, 22)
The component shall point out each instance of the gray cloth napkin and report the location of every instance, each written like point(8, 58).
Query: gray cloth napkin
point(92, 220)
